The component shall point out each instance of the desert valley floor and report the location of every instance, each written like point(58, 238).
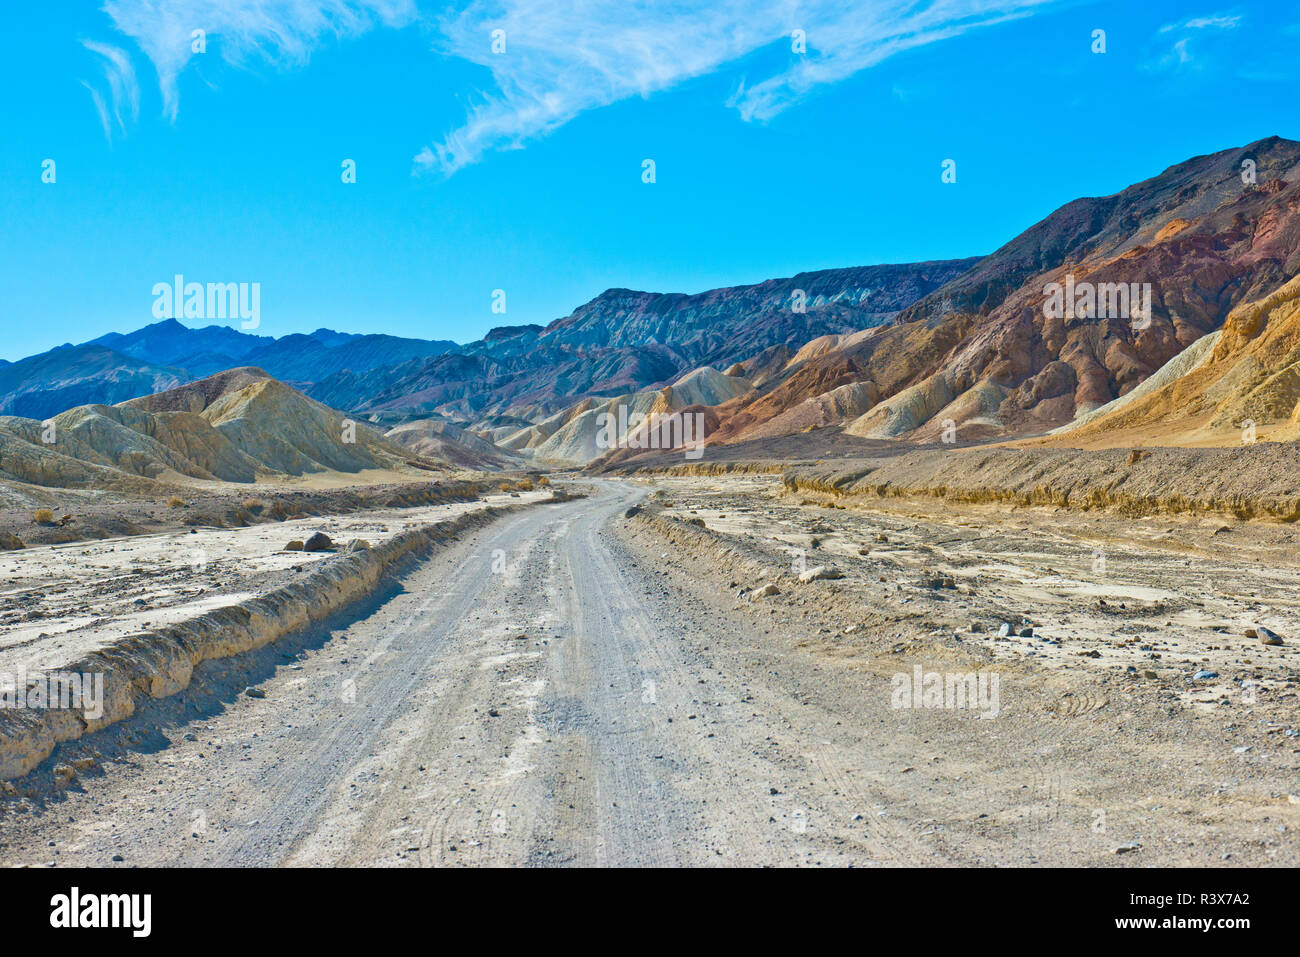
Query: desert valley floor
point(604, 679)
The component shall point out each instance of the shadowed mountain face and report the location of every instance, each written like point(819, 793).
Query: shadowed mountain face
point(116, 367)
point(723, 326)
point(294, 358)
point(172, 343)
point(44, 385)
point(986, 354)
point(625, 341)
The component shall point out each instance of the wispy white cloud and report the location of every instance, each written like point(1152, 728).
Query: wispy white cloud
point(565, 57)
point(1217, 22)
point(1180, 55)
point(123, 102)
point(562, 59)
point(282, 32)
point(101, 108)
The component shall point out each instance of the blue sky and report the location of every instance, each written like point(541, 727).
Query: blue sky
point(522, 170)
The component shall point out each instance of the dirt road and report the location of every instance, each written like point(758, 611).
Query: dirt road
point(560, 688)
point(515, 701)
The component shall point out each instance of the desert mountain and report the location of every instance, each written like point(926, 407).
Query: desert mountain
point(982, 346)
point(473, 387)
point(44, 385)
point(1232, 386)
point(293, 358)
point(595, 428)
point(164, 354)
point(238, 426)
point(440, 440)
point(983, 352)
point(723, 326)
point(171, 343)
point(620, 343)
point(625, 341)
point(309, 358)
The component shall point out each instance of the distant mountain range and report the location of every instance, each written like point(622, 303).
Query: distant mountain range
point(912, 351)
point(621, 341)
point(625, 341)
point(116, 366)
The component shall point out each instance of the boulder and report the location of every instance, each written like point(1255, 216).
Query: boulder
point(1268, 637)
point(319, 542)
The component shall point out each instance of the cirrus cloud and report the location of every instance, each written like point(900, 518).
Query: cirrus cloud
point(283, 32)
point(561, 60)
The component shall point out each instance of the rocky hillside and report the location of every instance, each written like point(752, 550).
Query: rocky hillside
point(238, 426)
point(988, 353)
point(1231, 388)
point(723, 326)
point(625, 341)
point(441, 441)
point(609, 429)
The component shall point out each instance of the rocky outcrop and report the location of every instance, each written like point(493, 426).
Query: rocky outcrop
point(1243, 386)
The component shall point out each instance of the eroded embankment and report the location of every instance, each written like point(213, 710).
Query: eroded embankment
point(732, 557)
point(161, 662)
point(712, 468)
point(87, 520)
point(1253, 481)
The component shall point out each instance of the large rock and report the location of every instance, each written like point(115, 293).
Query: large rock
point(319, 542)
